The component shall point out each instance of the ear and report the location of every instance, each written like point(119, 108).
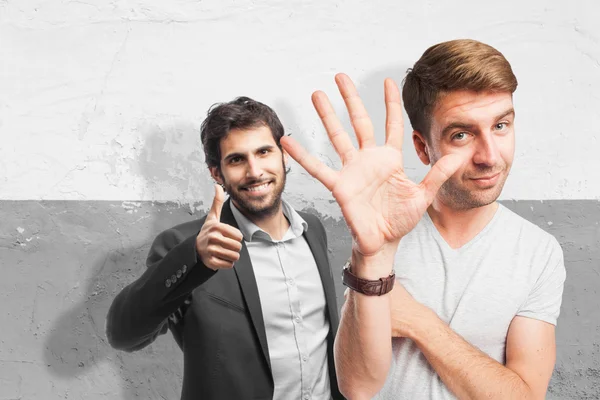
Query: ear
point(421, 146)
point(286, 157)
point(216, 175)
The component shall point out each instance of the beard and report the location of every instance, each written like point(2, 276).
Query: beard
point(257, 208)
point(458, 195)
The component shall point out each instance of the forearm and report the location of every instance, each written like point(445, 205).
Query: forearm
point(139, 312)
point(132, 323)
point(363, 347)
point(465, 370)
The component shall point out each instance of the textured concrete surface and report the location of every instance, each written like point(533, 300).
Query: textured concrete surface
point(101, 102)
point(117, 83)
point(64, 261)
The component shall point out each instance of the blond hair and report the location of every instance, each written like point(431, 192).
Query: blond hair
point(462, 64)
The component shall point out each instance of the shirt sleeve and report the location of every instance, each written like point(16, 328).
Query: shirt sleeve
point(545, 298)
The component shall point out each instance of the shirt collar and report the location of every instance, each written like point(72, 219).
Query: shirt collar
point(248, 228)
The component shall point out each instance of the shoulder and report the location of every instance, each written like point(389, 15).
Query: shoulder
point(526, 230)
point(542, 250)
point(310, 218)
point(313, 222)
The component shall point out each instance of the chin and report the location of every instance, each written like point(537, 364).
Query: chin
point(484, 199)
point(258, 207)
point(463, 198)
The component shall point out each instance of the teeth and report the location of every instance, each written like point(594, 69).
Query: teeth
point(258, 188)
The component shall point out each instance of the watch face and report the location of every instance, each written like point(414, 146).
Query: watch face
point(347, 265)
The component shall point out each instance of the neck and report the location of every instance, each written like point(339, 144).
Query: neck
point(274, 223)
point(458, 227)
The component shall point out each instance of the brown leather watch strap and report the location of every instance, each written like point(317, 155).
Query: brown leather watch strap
point(367, 287)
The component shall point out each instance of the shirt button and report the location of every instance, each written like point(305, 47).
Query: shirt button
point(304, 358)
point(306, 397)
point(168, 283)
point(184, 269)
point(179, 274)
point(291, 282)
point(173, 278)
point(298, 319)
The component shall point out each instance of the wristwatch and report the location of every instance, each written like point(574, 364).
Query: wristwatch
point(367, 287)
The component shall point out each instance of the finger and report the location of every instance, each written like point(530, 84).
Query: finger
point(394, 124)
point(215, 210)
point(229, 232)
point(223, 253)
point(311, 164)
point(217, 263)
point(440, 172)
point(363, 128)
point(227, 243)
point(339, 138)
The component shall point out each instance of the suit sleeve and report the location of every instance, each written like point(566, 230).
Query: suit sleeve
point(140, 311)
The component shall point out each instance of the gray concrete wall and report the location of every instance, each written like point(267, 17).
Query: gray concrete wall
point(101, 102)
point(62, 263)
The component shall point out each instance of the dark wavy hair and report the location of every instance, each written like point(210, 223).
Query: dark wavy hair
point(240, 113)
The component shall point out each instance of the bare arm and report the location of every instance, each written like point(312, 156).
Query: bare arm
point(380, 205)
point(468, 372)
point(363, 335)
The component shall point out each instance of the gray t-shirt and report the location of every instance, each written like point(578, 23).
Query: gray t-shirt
point(512, 267)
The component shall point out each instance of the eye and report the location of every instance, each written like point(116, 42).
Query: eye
point(235, 160)
point(264, 151)
point(460, 136)
point(501, 125)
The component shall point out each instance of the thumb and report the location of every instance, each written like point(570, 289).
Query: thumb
point(440, 172)
point(215, 210)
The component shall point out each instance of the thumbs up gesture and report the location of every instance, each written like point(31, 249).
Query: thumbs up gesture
point(218, 244)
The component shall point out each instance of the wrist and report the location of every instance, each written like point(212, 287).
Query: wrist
point(378, 265)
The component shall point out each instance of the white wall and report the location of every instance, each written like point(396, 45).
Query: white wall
point(103, 100)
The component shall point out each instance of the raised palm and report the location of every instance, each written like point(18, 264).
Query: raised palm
point(379, 203)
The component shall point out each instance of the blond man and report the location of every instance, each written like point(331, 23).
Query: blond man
point(476, 288)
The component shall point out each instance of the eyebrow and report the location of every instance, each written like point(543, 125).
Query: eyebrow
point(468, 127)
point(506, 114)
point(242, 155)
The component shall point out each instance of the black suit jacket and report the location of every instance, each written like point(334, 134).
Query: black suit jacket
point(215, 316)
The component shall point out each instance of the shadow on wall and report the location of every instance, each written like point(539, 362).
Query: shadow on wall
point(77, 342)
point(370, 89)
point(372, 93)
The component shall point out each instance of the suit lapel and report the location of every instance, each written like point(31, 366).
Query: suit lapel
point(245, 274)
point(316, 244)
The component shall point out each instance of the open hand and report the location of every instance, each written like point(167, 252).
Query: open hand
point(379, 203)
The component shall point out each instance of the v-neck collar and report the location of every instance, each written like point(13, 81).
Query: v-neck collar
point(442, 242)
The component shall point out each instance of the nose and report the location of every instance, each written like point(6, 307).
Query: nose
point(486, 152)
point(253, 168)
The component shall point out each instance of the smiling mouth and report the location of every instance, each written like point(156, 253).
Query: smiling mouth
point(257, 188)
point(486, 181)
point(486, 178)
